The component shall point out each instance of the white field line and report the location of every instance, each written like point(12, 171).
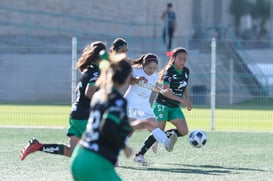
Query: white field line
point(35, 127)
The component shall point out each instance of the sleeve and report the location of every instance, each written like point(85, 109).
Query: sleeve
point(167, 77)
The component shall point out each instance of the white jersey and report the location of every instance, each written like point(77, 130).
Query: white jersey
point(138, 97)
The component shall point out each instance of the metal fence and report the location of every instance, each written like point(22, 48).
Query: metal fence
point(38, 69)
point(43, 74)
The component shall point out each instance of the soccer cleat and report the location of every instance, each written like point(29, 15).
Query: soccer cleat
point(171, 142)
point(32, 146)
point(154, 147)
point(139, 159)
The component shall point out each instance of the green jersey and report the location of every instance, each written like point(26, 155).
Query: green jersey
point(177, 81)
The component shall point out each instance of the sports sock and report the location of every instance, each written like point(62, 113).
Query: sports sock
point(168, 132)
point(146, 145)
point(53, 148)
point(160, 136)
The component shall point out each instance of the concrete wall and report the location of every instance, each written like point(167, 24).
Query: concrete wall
point(35, 78)
point(130, 14)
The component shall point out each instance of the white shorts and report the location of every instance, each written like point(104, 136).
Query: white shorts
point(140, 114)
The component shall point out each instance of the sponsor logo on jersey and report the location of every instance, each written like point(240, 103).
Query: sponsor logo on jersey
point(182, 84)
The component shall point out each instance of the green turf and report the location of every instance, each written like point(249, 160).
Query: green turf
point(227, 156)
point(198, 118)
point(34, 115)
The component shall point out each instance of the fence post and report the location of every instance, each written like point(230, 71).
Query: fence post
point(213, 81)
point(73, 69)
point(231, 69)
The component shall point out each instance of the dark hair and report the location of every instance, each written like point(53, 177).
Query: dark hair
point(121, 70)
point(118, 43)
point(173, 53)
point(169, 5)
point(90, 54)
point(115, 73)
point(146, 59)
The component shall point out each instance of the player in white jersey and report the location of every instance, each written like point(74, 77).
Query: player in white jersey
point(140, 112)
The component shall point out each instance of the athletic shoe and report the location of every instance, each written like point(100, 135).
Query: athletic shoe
point(32, 146)
point(139, 159)
point(154, 147)
point(171, 142)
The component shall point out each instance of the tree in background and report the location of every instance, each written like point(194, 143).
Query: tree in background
point(260, 11)
point(239, 8)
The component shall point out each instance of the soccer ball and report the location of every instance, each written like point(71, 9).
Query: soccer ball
point(198, 138)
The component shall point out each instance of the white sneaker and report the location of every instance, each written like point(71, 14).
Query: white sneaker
point(139, 158)
point(154, 147)
point(171, 142)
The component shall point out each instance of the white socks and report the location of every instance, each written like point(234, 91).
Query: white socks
point(160, 136)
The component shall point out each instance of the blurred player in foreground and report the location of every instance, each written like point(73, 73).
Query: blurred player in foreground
point(107, 129)
point(166, 107)
point(88, 67)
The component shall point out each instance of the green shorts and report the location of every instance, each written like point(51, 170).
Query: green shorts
point(87, 165)
point(166, 113)
point(76, 127)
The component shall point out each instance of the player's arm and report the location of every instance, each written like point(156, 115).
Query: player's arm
point(168, 93)
point(90, 90)
point(187, 97)
point(152, 97)
point(138, 80)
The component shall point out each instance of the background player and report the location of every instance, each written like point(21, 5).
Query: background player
point(140, 113)
point(87, 64)
point(174, 76)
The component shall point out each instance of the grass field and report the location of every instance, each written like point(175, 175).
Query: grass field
point(198, 118)
point(227, 156)
point(240, 148)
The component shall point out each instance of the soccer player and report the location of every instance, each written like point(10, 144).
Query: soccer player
point(107, 129)
point(140, 114)
point(175, 77)
point(119, 45)
point(87, 64)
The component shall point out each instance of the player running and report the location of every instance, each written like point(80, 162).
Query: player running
point(88, 66)
point(107, 129)
point(166, 107)
point(140, 114)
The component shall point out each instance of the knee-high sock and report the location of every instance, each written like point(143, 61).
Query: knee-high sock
point(168, 132)
point(53, 148)
point(146, 145)
point(151, 140)
point(160, 136)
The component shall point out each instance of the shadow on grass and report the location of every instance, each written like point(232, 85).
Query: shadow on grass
point(195, 169)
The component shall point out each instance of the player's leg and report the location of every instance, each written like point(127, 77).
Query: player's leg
point(177, 118)
point(162, 114)
point(34, 145)
point(181, 127)
point(77, 127)
point(161, 125)
point(151, 125)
